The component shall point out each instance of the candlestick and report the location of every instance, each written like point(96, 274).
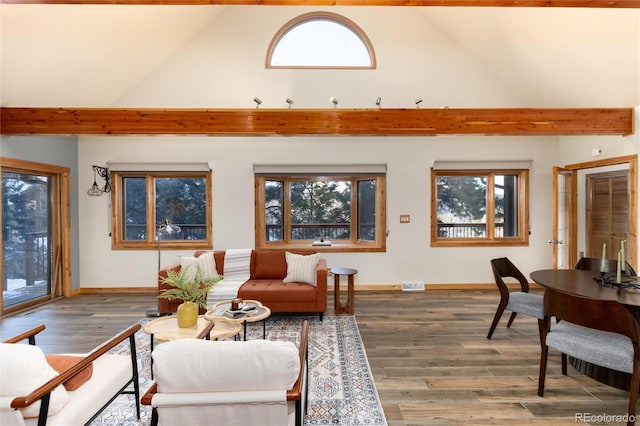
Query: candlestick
point(603, 261)
point(623, 262)
point(618, 277)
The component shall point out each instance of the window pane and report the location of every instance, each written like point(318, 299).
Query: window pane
point(135, 208)
point(320, 42)
point(320, 209)
point(506, 206)
point(26, 237)
point(273, 202)
point(182, 201)
point(367, 210)
point(462, 206)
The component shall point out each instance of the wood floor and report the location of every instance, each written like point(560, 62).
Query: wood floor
point(428, 352)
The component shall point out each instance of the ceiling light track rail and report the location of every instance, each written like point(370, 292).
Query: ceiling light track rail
point(290, 122)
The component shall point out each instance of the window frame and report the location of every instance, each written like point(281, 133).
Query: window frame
point(352, 245)
point(151, 243)
point(491, 240)
point(317, 16)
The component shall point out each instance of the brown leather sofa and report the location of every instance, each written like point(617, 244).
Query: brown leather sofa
point(267, 270)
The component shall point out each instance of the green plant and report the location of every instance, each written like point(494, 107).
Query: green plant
point(185, 289)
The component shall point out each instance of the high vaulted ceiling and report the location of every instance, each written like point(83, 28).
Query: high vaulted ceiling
point(93, 55)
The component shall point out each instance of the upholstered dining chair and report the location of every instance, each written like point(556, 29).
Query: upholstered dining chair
point(610, 265)
point(600, 332)
point(517, 301)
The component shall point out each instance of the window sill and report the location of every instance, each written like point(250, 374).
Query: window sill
point(343, 247)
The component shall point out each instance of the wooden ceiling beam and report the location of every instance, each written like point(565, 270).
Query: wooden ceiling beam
point(357, 122)
point(473, 3)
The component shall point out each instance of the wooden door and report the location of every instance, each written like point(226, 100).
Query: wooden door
point(607, 213)
point(563, 213)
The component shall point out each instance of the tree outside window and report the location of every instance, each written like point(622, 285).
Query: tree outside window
point(479, 207)
point(348, 212)
point(144, 201)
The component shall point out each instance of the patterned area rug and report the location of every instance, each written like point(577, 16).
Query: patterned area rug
point(341, 387)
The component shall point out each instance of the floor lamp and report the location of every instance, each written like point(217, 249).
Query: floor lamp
point(165, 229)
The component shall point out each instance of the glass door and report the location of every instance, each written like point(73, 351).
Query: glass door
point(27, 238)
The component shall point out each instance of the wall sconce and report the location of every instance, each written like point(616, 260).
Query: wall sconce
point(334, 101)
point(258, 101)
point(95, 190)
point(378, 101)
point(418, 102)
point(289, 101)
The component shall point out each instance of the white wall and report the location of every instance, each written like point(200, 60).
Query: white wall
point(578, 149)
point(408, 255)
point(223, 66)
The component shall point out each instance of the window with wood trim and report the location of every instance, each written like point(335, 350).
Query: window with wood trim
point(479, 207)
point(143, 201)
point(337, 213)
point(321, 40)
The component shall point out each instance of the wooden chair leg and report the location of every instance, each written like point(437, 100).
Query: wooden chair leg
point(541, 331)
point(511, 318)
point(496, 319)
point(154, 416)
point(543, 369)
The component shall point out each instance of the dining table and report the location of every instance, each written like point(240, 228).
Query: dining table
point(600, 286)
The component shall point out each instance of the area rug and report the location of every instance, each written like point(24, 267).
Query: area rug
point(341, 387)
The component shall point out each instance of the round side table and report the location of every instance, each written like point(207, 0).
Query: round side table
point(337, 273)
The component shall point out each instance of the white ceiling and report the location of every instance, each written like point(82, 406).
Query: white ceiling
point(65, 55)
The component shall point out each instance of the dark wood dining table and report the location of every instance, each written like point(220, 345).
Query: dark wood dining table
point(590, 284)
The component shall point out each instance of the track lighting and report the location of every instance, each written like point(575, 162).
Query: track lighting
point(334, 101)
point(258, 101)
point(289, 101)
point(418, 102)
point(378, 101)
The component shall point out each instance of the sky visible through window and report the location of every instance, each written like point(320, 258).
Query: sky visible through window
point(320, 43)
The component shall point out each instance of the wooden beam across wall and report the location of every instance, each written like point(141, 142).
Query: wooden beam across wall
point(471, 3)
point(358, 122)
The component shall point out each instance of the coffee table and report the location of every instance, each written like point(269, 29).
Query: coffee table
point(221, 312)
point(166, 329)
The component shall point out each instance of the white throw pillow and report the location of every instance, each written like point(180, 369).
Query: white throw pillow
point(206, 262)
point(23, 369)
point(301, 268)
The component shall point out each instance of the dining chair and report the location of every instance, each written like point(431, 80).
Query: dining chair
point(610, 265)
point(517, 301)
point(600, 332)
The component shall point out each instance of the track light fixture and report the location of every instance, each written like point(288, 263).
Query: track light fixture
point(334, 101)
point(95, 190)
point(289, 101)
point(258, 101)
point(418, 102)
point(378, 101)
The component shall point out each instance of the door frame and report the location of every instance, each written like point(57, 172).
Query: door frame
point(61, 256)
point(632, 161)
point(568, 239)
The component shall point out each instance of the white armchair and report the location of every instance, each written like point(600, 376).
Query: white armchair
point(33, 392)
point(257, 382)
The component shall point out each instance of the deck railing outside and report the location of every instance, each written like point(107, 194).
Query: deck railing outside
point(467, 230)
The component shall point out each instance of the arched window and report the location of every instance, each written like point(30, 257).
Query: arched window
point(320, 40)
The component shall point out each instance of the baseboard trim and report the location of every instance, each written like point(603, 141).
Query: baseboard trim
point(120, 290)
point(358, 287)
